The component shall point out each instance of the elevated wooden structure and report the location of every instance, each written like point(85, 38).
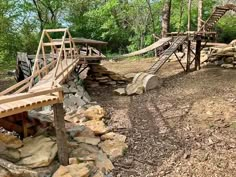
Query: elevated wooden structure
point(56, 58)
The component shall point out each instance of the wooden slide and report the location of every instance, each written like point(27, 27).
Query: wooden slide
point(156, 45)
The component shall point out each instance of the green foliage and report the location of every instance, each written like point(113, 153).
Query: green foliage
point(127, 25)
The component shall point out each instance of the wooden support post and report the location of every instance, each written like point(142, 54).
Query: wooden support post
point(188, 56)
point(59, 124)
point(198, 53)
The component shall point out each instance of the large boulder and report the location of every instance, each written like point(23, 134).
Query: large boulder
point(37, 152)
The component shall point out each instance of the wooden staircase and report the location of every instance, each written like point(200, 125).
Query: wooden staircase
point(167, 54)
point(217, 14)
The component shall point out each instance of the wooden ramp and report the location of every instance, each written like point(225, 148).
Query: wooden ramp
point(217, 14)
point(160, 43)
point(167, 54)
point(43, 87)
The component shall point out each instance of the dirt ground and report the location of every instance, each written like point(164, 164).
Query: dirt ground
point(185, 128)
point(6, 81)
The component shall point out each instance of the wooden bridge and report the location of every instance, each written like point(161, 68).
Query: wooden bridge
point(43, 87)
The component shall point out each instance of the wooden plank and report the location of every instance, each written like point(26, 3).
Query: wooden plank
point(27, 108)
point(56, 30)
point(52, 44)
point(16, 97)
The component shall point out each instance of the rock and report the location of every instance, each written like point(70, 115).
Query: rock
point(73, 160)
point(37, 152)
point(86, 97)
point(113, 136)
point(73, 170)
point(65, 89)
point(10, 154)
point(5, 173)
point(71, 84)
point(16, 171)
point(227, 66)
point(99, 173)
point(120, 91)
point(113, 148)
point(80, 131)
point(11, 73)
point(86, 152)
point(47, 171)
point(87, 140)
point(132, 89)
point(10, 141)
point(229, 60)
point(95, 113)
point(116, 77)
point(73, 90)
point(98, 127)
point(103, 163)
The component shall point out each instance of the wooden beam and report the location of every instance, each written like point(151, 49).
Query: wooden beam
point(61, 138)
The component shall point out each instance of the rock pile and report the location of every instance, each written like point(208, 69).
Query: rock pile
point(100, 76)
point(223, 56)
point(75, 95)
point(92, 148)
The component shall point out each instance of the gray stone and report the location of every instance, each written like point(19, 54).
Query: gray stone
point(80, 130)
point(71, 84)
point(65, 89)
point(120, 91)
point(86, 152)
point(73, 90)
point(86, 97)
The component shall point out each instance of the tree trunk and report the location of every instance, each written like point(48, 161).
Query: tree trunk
point(166, 18)
point(199, 24)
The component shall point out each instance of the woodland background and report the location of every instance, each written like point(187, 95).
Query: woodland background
point(127, 25)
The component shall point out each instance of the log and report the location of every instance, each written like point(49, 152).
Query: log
point(59, 124)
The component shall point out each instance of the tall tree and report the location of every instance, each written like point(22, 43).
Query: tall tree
point(166, 17)
point(200, 5)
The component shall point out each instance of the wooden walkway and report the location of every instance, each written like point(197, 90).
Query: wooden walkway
point(43, 87)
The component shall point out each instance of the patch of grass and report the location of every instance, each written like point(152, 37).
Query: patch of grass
point(6, 66)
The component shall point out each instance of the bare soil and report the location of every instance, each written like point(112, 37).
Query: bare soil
point(184, 128)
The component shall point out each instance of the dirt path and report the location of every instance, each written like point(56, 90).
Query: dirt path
point(185, 128)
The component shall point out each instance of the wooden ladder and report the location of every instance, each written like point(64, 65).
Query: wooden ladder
point(167, 54)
